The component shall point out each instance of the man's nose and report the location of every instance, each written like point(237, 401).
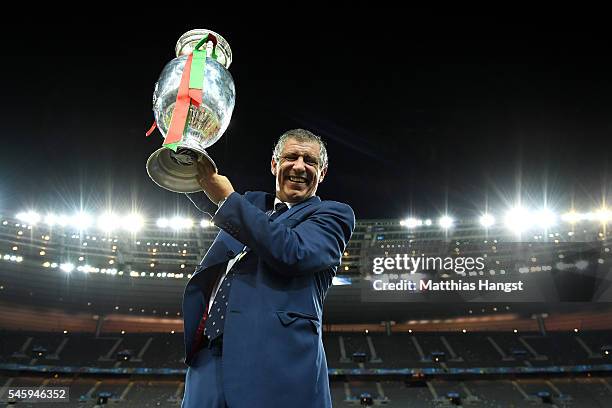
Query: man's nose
point(299, 164)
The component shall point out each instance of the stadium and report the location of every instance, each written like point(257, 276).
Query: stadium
point(93, 303)
point(472, 148)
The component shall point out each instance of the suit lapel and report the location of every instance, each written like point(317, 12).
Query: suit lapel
point(293, 210)
point(297, 207)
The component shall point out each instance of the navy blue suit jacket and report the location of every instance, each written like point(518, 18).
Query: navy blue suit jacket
point(272, 344)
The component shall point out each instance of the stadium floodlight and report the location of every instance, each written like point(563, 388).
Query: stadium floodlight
point(187, 223)
point(487, 220)
point(132, 222)
point(446, 222)
point(29, 217)
point(52, 219)
point(428, 222)
point(589, 216)
point(206, 223)
point(67, 267)
point(603, 215)
point(178, 223)
point(411, 223)
point(545, 218)
point(81, 221)
point(572, 217)
point(162, 222)
point(109, 222)
point(518, 219)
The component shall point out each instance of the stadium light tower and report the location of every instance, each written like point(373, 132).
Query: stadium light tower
point(67, 267)
point(545, 218)
point(52, 219)
point(572, 217)
point(446, 222)
point(518, 219)
point(162, 223)
point(81, 221)
point(411, 223)
point(179, 223)
point(133, 222)
point(29, 217)
point(603, 215)
point(108, 222)
point(487, 220)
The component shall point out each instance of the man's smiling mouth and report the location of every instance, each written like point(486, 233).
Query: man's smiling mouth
point(297, 179)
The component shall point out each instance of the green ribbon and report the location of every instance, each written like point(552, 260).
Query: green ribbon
point(196, 77)
point(198, 65)
point(172, 146)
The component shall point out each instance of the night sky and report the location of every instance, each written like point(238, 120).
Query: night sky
point(422, 112)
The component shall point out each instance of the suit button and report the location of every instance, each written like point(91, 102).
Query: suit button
point(230, 254)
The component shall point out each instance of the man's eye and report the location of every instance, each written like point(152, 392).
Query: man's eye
point(309, 161)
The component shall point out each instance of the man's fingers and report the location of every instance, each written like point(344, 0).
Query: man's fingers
point(202, 170)
point(206, 166)
point(206, 172)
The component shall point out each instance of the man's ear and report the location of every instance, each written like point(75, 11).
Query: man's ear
point(273, 167)
point(323, 173)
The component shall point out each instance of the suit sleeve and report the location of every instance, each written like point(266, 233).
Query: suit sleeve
point(313, 245)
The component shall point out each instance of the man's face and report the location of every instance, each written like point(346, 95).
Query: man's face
point(298, 172)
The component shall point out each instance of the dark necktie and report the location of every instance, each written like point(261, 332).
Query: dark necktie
point(214, 323)
point(279, 208)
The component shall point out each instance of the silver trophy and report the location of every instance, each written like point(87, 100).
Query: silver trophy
point(175, 169)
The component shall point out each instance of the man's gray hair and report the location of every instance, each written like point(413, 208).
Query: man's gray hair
point(301, 135)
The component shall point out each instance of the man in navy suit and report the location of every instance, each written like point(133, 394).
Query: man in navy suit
point(253, 308)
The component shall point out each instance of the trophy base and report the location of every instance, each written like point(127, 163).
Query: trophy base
point(177, 171)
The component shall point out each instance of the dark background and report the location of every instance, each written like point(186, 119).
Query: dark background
point(423, 111)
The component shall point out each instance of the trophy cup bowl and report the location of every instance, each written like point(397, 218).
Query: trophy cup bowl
point(176, 170)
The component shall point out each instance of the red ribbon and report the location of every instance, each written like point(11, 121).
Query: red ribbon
point(199, 336)
point(153, 127)
point(181, 107)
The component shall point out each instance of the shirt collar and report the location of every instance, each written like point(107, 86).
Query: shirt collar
point(277, 201)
